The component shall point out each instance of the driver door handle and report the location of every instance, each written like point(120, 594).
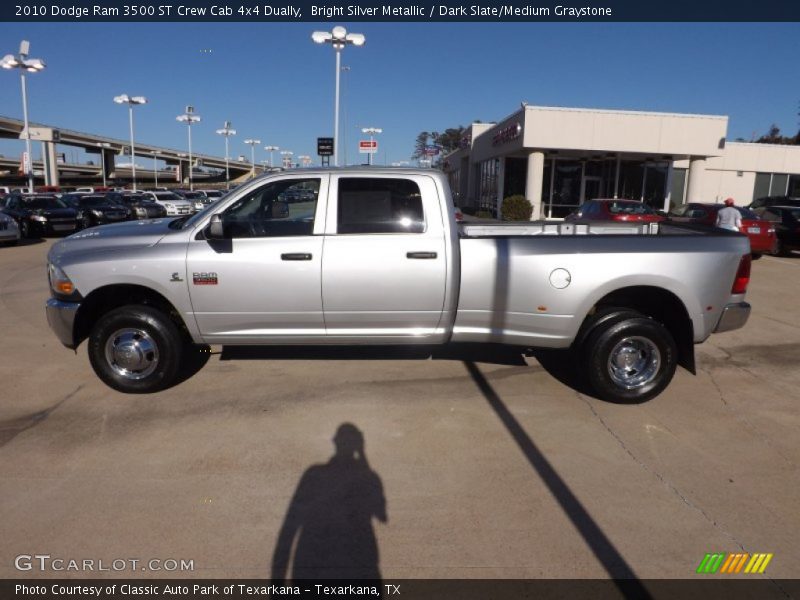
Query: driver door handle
point(296, 256)
point(423, 255)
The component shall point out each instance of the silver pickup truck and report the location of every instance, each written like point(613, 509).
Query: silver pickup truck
point(375, 256)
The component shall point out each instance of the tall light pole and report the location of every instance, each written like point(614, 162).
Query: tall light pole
point(253, 144)
point(31, 65)
point(345, 69)
point(155, 153)
point(131, 101)
point(189, 118)
point(271, 149)
point(227, 132)
point(103, 146)
point(287, 158)
point(372, 131)
point(338, 38)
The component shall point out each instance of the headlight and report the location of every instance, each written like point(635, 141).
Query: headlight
point(59, 282)
point(168, 205)
point(39, 218)
point(97, 213)
point(141, 212)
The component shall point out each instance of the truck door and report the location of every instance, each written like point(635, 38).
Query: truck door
point(384, 265)
point(262, 283)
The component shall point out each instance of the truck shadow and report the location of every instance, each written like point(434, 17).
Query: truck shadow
point(484, 353)
point(329, 522)
point(605, 552)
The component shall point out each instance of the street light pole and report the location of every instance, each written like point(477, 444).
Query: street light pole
point(131, 101)
point(338, 38)
point(371, 131)
point(253, 143)
point(344, 69)
point(227, 132)
point(287, 157)
point(33, 65)
point(271, 149)
point(189, 118)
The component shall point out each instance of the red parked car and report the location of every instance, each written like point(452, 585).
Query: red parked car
point(761, 233)
point(631, 211)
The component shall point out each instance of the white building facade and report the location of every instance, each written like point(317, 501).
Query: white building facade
point(560, 157)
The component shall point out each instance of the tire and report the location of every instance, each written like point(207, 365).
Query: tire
point(86, 223)
point(25, 229)
point(629, 359)
point(756, 256)
point(136, 349)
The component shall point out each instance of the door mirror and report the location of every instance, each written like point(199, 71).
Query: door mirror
point(215, 231)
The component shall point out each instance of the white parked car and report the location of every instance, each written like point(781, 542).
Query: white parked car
point(174, 204)
point(9, 232)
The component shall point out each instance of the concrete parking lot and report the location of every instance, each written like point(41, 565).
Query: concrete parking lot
point(474, 466)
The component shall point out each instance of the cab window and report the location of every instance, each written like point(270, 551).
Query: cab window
point(277, 209)
point(379, 205)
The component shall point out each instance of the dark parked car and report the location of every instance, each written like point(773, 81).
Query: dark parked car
point(786, 220)
point(761, 233)
point(95, 209)
point(774, 201)
point(40, 214)
point(141, 207)
point(631, 211)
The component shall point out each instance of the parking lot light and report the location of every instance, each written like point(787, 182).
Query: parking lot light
point(372, 131)
point(253, 143)
point(189, 117)
point(103, 146)
point(271, 149)
point(287, 158)
point(338, 38)
point(155, 154)
point(31, 65)
point(227, 131)
point(131, 101)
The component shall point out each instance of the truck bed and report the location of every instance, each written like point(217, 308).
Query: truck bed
point(549, 228)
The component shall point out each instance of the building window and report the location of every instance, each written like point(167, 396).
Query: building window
point(794, 186)
point(454, 178)
point(566, 188)
point(678, 191)
point(761, 189)
point(487, 191)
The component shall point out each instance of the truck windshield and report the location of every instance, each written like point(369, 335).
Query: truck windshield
point(43, 202)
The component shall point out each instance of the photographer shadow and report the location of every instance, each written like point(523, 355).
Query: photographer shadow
point(329, 520)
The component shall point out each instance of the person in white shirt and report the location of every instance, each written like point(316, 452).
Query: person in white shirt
point(729, 217)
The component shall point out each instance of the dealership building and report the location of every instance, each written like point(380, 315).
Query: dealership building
point(560, 157)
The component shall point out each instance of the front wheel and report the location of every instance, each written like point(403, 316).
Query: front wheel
point(136, 349)
point(630, 360)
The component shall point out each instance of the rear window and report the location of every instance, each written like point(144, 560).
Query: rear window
point(629, 208)
point(379, 205)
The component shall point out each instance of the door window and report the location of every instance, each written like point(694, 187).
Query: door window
point(379, 205)
point(277, 209)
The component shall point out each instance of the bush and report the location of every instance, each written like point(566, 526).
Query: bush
point(517, 208)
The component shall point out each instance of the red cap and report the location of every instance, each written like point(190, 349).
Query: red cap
point(728, 201)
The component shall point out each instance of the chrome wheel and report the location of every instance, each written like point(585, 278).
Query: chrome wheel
point(633, 362)
point(131, 353)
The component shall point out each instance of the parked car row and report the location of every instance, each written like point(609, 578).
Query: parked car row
point(45, 214)
point(772, 223)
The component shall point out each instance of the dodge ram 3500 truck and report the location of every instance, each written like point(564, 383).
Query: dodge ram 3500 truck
point(375, 256)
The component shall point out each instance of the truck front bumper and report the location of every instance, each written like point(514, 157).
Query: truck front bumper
point(61, 318)
point(733, 316)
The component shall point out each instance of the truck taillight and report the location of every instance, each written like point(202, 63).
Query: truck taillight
point(742, 276)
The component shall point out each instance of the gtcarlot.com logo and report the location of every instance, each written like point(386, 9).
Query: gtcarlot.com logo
point(732, 563)
point(45, 562)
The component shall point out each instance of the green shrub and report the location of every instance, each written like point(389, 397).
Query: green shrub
point(517, 208)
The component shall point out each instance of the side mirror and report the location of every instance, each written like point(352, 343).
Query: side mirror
point(215, 231)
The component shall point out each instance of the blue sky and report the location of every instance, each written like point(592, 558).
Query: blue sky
point(274, 84)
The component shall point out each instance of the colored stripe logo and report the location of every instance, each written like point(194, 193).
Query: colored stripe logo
point(737, 562)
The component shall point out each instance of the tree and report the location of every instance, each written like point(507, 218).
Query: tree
point(420, 143)
point(773, 136)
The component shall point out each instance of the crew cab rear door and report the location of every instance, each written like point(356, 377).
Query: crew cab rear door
point(384, 265)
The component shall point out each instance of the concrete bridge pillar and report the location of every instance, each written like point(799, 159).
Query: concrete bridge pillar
point(50, 164)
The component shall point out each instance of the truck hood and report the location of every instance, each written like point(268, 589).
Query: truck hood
point(107, 238)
